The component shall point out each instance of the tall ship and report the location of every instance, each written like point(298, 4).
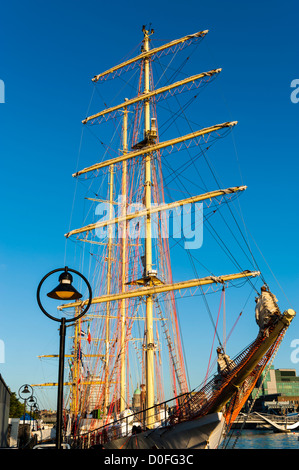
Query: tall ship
point(149, 190)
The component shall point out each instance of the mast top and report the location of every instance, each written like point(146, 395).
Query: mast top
point(147, 32)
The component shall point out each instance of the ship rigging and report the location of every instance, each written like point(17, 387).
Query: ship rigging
point(134, 328)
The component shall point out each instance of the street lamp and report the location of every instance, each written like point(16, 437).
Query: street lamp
point(25, 392)
point(64, 291)
point(32, 402)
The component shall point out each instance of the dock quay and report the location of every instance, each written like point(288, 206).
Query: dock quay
point(279, 423)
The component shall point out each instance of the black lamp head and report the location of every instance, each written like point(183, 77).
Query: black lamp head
point(65, 290)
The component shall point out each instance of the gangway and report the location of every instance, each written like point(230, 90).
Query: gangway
point(279, 425)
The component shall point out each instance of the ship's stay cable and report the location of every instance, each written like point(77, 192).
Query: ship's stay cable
point(245, 227)
point(197, 275)
point(207, 306)
point(126, 83)
point(224, 246)
point(183, 167)
point(175, 72)
point(213, 173)
point(190, 257)
point(203, 153)
point(215, 327)
point(239, 228)
point(177, 176)
point(178, 69)
point(238, 161)
point(215, 332)
point(158, 183)
point(229, 228)
point(229, 253)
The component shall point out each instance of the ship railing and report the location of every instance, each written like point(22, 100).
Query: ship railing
point(202, 401)
point(191, 405)
point(160, 415)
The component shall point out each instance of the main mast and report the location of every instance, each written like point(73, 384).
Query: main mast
point(123, 268)
point(109, 280)
point(149, 346)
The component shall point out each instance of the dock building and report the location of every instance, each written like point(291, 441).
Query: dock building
point(278, 390)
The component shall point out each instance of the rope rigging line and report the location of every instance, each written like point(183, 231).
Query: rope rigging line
point(250, 251)
point(267, 368)
point(216, 333)
point(182, 112)
point(229, 253)
point(203, 153)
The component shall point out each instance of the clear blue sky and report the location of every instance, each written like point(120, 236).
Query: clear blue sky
point(49, 52)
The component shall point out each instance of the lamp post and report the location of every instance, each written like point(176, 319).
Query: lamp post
point(25, 392)
point(64, 291)
point(32, 401)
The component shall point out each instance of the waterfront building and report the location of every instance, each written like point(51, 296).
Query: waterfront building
point(279, 389)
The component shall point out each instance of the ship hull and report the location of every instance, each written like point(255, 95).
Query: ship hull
point(202, 433)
